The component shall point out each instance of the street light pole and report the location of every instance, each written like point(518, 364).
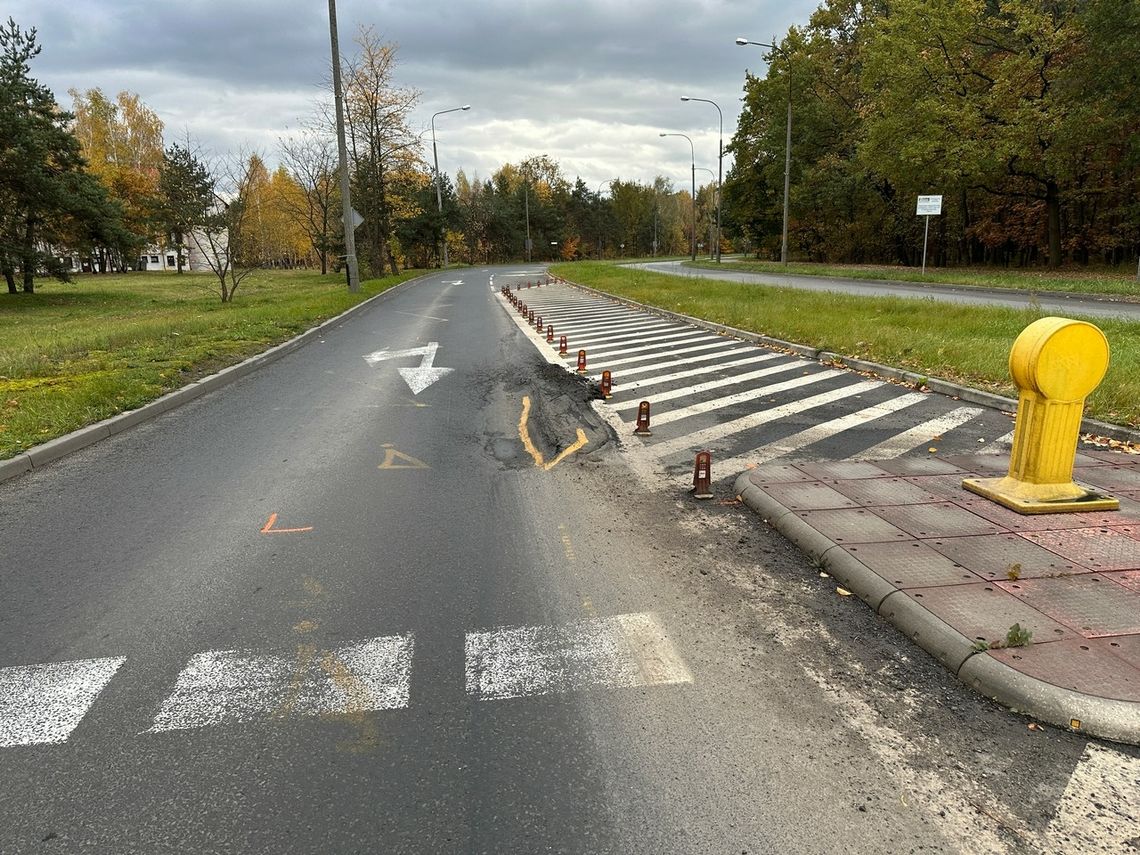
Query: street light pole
point(711, 175)
point(787, 144)
point(438, 194)
point(719, 166)
point(342, 149)
point(693, 150)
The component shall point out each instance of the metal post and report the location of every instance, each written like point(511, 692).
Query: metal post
point(925, 235)
point(438, 194)
point(342, 147)
point(526, 206)
point(787, 173)
point(694, 200)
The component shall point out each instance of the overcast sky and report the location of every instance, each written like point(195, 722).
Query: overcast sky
point(591, 83)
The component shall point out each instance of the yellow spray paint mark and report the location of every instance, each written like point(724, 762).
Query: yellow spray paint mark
point(392, 458)
point(567, 546)
point(305, 627)
point(524, 436)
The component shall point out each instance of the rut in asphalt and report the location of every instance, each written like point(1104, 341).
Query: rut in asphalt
point(560, 406)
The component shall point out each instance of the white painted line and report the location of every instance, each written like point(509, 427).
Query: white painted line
point(616, 652)
point(600, 333)
point(743, 397)
point(704, 438)
point(668, 354)
point(689, 360)
point(1099, 812)
point(719, 383)
point(655, 344)
point(636, 334)
point(229, 686)
point(922, 434)
point(755, 357)
point(42, 704)
point(816, 433)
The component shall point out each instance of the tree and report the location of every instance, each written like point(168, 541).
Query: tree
point(224, 236)
point(381, 144)
point(122, 143)
point(185, 194)
point(311, 159)
point(46, 195)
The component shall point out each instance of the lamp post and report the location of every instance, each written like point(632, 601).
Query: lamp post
point(719, 165)
point(694, 190)
point(711, 175)
point(438, 194)
point(787, 144)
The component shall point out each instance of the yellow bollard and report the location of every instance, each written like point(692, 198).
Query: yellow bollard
point(1056, 363)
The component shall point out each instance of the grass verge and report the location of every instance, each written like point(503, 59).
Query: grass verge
point(965, 344)
point(76, 353)
point(1120, 285)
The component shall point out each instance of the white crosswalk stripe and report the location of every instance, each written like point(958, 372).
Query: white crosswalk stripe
point(710, 435)
point(619, 652)
point(229, 686)
point(43, 704)
point(918, 435)
point(677, 367)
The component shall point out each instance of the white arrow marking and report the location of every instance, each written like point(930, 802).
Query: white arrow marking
point(419, 378)
point(456, 282)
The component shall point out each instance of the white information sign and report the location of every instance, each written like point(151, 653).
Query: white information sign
point(929, 206)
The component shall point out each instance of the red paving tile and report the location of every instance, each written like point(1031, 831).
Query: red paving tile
point(911, 565)
point(1002, 556)
point(1091, 604)
point(942, 519)
point(1097, 548)
point(984, 612)
point(1084, 666)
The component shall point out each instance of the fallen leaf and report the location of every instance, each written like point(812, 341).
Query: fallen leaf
point(843, 592)
point(823, 575)
point(1035, 726)
point(932, 450)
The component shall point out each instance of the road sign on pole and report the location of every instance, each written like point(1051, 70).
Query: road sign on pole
point(928, 206)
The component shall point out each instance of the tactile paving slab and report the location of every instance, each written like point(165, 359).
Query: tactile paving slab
point(1000, 556)
point(852, 525)
point(1083, 666)
point(808, 495)
point(873, 492)
point(1014, 521)
point(984, 612)
point(911, 565)
point(843, 469)
point(1091, 604)
point(981, 464)
point(1096, 548)
point(1111, 478)
point(944, 486)
point(1127, 647)
point(1130, 579)
point(941, 519)
point(777, 473)
point(920, 466)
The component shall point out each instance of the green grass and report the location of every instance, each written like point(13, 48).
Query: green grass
point(72, 354)
point(1071, 280)
point(966, 344)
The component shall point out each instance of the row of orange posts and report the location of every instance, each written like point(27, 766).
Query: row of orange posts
point(702, 469)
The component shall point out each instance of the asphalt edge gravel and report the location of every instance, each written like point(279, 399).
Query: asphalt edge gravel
point(39, 456)
point(889, 372)
point(1076, 712)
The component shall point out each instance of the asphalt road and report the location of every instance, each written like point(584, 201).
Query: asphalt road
point(350, 618)
point(1062, 304)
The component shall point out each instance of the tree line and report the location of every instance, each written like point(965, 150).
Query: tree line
point(97, 182)
point(1021, 113)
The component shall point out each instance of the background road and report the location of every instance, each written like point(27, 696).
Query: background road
point(1063, 304)
point(436, 645)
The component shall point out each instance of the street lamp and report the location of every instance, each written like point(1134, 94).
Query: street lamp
point(694, 190)
point(719, 166)
point(787, 143)
point(438, 194)
point(711, 175)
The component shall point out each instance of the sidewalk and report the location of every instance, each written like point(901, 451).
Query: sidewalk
point(955, 572)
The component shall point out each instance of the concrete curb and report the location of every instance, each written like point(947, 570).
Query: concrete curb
point(889, 372)
point(52, 450)
point(1105, 718)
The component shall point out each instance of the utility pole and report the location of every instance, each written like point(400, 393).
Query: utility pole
point(342, 147)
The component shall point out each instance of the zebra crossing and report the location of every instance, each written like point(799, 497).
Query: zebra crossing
point(44, 704)
point(745, 403)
